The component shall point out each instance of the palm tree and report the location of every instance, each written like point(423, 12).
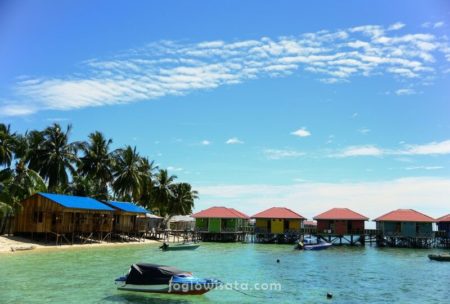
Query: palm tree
point(147, 169)
point(183, 201)
point(128, 179)
point(17, 185)
point(163, 191)
point(7, 145)
point(56, 156)
point(97, 162)
point(29, 147)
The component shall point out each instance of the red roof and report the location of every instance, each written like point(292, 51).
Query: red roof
point(279, 213)
point(405, 215)
point(341, 214)
point(220, 212)
point(445, 218)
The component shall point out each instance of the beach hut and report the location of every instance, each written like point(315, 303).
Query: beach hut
point(405, 223)
point(181, 223)
point(64, 217)
point(340, 221)
point(126, 216)
point(444, 225)
point(221, 224)
point(278, 220)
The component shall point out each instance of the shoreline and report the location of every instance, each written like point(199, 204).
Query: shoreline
point(12, 241)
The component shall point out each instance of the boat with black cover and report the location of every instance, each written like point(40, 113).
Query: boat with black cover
point(164, 279)
point(439, 257)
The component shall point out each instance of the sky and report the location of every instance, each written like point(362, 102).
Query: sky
point(256, 104)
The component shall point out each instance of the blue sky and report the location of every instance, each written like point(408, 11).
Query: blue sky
point(309, 106)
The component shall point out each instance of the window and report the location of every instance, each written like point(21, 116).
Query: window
point(38, 217)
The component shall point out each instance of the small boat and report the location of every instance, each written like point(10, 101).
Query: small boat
point(22, 248)
point(183, 246)
point(164, 279)
point(439, 257)
point(309, 244)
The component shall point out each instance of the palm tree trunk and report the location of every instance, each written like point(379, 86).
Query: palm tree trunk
point(3, 222)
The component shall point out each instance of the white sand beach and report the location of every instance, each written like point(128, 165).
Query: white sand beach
point(9, 243)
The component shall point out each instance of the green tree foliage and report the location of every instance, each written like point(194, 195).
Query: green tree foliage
point(47, 160)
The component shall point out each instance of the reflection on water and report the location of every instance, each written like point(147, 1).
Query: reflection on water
point(353, 275)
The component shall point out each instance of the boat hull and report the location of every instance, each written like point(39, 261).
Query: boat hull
point(440, 258)
point(180, 247)
point(317, 247)
point(181, 289)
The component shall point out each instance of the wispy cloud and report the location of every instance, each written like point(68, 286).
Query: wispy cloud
point(424, 168)
point(234, 141)
point(429, 195)
point(401, 92)
point(282, 153)
point(367, 150)
point(432, 148)
point(364, 131)
point(433, 24)
point(169, 68)
point(174, 169)
point(205, 142)
point(301, 132)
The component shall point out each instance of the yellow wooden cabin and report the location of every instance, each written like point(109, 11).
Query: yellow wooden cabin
point(277, 220)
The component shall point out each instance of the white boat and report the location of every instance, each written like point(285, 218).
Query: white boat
point(309, 244)
point(164, 279)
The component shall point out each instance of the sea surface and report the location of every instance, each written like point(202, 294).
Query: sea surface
point(352, 275)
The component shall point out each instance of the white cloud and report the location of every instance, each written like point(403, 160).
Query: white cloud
point(282, 153)
point(174, 169)
point(432, 148)
point(401, 92)
point(396, 26)
point(205, 142)
point(234, 141)
point(168, 68)
point(301, 132)
point(364, 131)
point(367, 150)
point(433, 24)
point(428, 195)
point(424, 168)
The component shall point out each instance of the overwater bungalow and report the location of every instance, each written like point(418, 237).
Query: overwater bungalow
point(278, 220)
point(221, 224)
point(340, 221)
point(444, 225)
point(63, 217)
point(129, 219)
point(405, 228)
point(341, 226)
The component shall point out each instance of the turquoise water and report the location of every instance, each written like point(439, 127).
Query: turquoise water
point(353, 275)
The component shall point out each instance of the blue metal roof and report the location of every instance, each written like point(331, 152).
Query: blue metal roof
point(127, 207)
point(76, 202)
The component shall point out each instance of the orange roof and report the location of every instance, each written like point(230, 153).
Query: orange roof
point(341, 214)
point(220, 212)
point(405, 215)
point(280, 213)
point(445, 218)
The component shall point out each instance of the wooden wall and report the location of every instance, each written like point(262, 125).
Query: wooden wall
point(340, 227)
point(41, 215)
